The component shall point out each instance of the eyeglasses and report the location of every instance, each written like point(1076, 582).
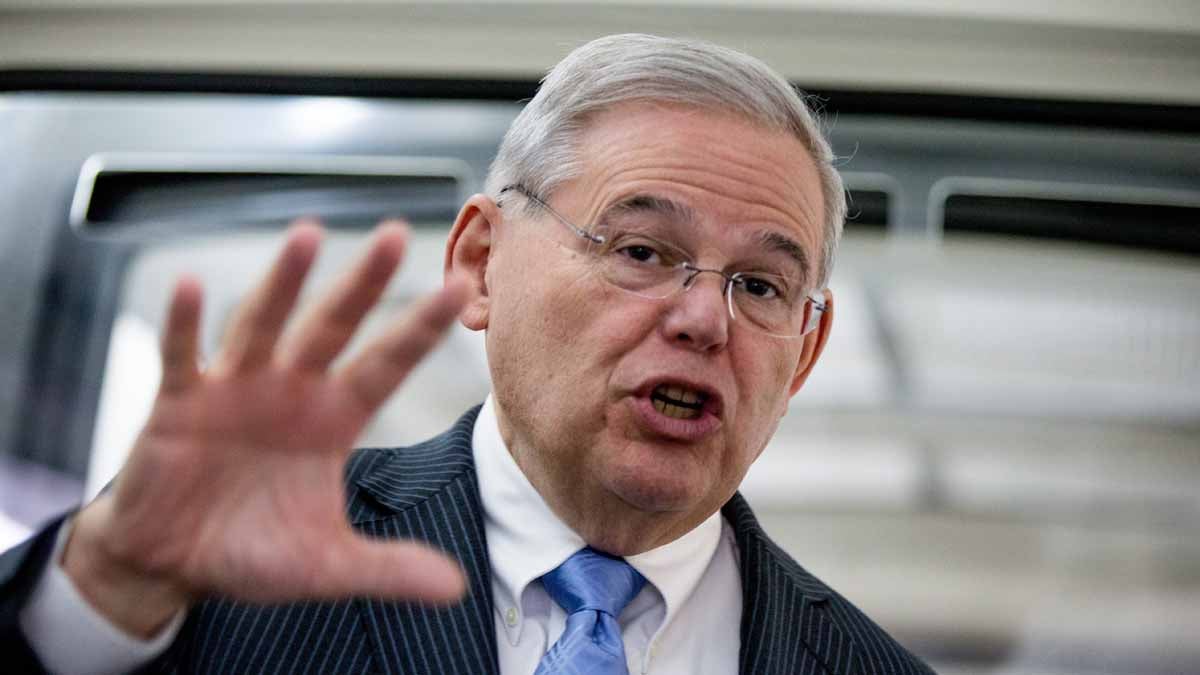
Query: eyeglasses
point(641, 261)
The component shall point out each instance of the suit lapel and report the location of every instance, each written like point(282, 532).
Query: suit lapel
point(429, 492)
point(787, 626)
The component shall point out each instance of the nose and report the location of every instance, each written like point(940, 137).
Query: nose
point(698, 317)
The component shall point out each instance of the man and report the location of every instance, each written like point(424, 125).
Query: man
point(649, 264)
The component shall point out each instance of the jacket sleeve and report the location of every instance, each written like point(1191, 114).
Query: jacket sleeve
point(20, 569)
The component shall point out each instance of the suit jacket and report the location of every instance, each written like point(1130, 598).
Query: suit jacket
point(791, 622)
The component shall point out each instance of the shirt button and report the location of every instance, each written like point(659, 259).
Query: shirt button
point(511, 616)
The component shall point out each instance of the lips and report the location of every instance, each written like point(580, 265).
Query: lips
point(678, 409)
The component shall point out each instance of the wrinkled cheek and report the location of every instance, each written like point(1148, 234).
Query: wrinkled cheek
point(766, 411)
point(785, 373)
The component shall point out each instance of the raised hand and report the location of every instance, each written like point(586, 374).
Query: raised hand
point(235, 485)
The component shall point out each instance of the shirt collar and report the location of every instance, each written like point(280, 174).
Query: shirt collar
point(525, 539)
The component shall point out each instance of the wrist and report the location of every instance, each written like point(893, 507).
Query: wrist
point(133, 599)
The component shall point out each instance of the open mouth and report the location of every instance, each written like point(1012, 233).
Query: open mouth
point(678, 402)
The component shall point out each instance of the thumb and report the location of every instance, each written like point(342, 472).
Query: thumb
point(398, 570)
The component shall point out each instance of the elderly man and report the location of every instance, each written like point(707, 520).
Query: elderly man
point(649, 263)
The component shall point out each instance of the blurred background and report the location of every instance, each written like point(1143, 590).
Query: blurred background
point(998, 457)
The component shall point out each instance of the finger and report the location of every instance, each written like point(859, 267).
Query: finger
point(181, 339)
point(260, 319)
point(400, 570)
point(325, 331)
point(373, 375)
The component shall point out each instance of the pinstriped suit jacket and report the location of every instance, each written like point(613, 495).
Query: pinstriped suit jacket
point(791, 622)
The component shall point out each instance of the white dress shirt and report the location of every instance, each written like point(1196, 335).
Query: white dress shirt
point(670, 627)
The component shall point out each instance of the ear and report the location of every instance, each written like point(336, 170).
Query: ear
point(468, 252)
point(814, 344)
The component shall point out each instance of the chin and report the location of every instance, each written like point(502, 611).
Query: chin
point(645, 491)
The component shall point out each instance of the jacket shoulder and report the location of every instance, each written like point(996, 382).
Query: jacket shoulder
point(873, 650)
point(878, 650)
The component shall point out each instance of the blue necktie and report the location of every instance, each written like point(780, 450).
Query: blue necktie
point(592, 588)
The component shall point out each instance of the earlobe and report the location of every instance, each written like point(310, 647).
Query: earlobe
point(468, 253)
point(814, 344)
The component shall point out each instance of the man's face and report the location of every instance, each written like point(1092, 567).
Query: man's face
point(576, 362)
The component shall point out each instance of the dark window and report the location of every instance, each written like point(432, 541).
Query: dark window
point(1161, 227)
point(139, 202)
point(867, 209)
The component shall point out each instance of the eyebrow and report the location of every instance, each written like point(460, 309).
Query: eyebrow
point(781, 243)
point(651, 204)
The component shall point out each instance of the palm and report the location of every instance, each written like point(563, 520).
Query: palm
point(255, 483)
point(235, 485)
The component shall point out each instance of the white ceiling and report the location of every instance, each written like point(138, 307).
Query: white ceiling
point(1107, 50)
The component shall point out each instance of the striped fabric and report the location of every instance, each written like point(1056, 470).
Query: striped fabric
point(791, 622)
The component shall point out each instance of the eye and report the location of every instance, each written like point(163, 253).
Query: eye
point(639, 252)
point(640, 249)
point(759, 287)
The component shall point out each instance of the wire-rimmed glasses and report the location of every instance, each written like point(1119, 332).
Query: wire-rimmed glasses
point(641, 261)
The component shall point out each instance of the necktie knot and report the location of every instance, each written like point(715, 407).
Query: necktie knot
point(592, 588)
point(593, 580)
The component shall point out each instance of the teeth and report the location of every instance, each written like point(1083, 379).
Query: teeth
point(675, 411)
point(679, 394)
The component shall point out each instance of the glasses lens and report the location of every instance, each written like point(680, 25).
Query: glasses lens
point(770, 303)
point(638, 261)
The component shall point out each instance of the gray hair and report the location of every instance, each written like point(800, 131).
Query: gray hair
point(539, 151)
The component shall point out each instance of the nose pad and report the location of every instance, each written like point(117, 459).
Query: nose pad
point(726, 286)
point(691, 319)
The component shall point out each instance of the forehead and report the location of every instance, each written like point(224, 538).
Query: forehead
point(733, 176)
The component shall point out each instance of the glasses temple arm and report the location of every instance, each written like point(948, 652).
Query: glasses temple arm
point(594, 238)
